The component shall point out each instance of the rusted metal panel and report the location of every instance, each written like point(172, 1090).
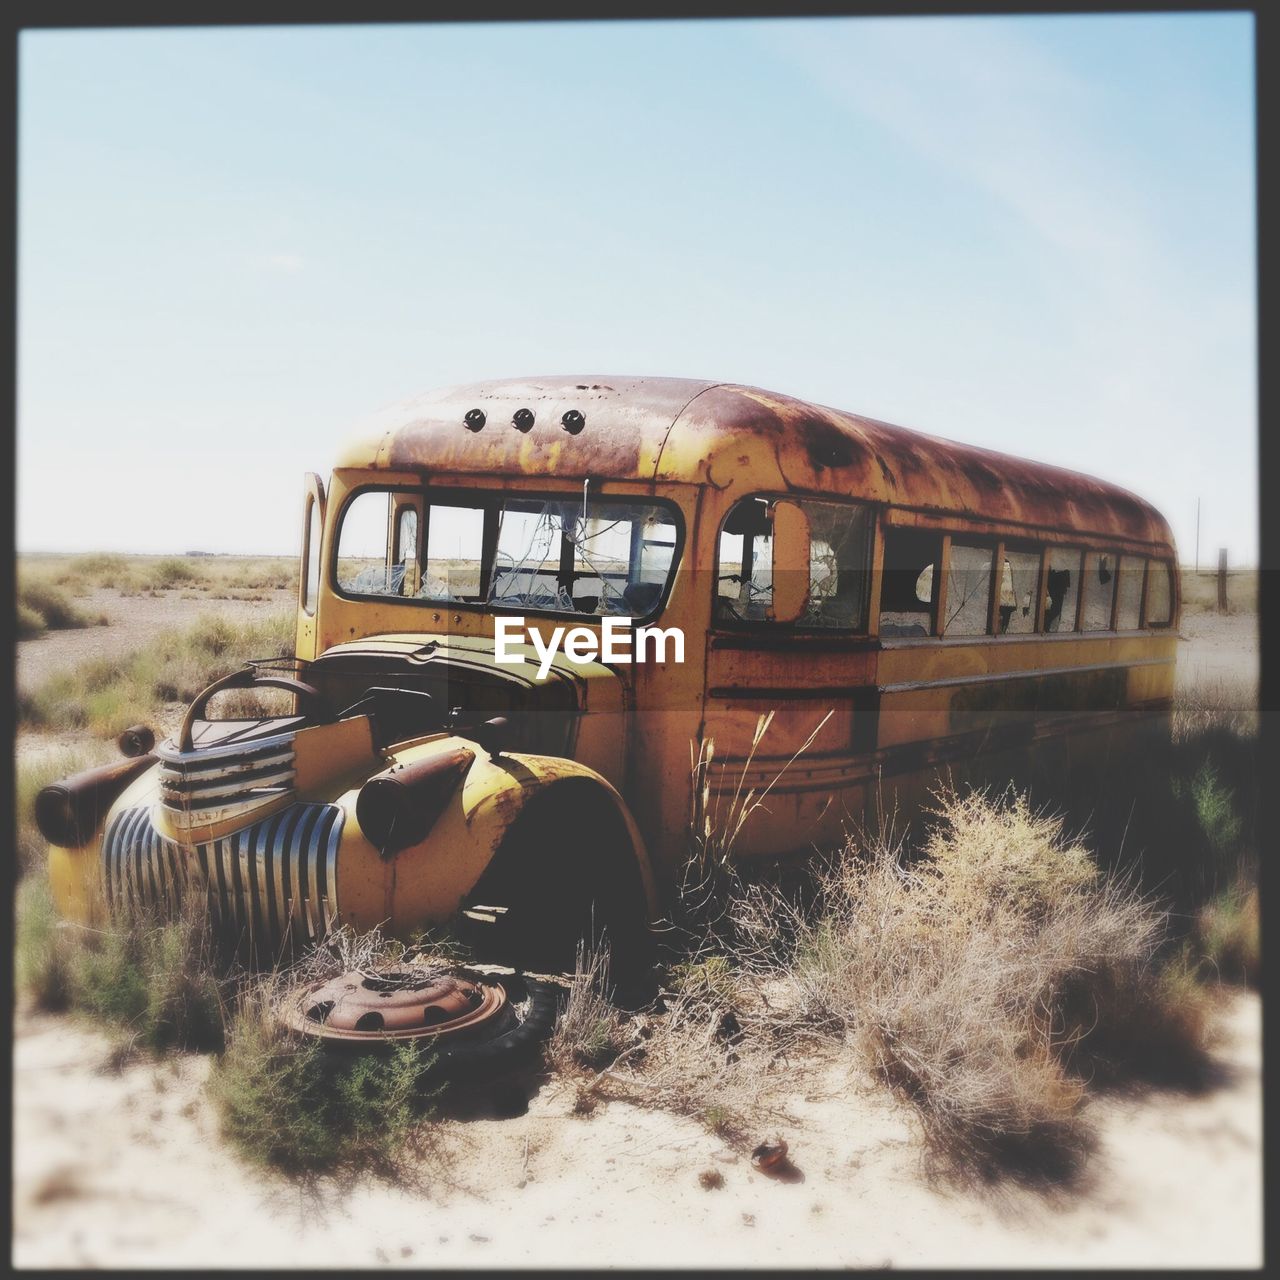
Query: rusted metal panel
point(722, 434)
point(580, 426)
point(729, 430)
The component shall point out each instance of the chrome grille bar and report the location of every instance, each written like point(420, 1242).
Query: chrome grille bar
point(218, 783)
point(268, 886)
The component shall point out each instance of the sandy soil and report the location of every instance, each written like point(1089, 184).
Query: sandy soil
point(1218, 647)
point(121, 1169)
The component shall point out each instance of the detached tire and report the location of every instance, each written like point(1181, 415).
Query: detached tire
point(532, 1007)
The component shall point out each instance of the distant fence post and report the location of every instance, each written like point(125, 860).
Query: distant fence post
point(1222, 580)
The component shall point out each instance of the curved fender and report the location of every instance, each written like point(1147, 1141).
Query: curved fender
point(427, 882)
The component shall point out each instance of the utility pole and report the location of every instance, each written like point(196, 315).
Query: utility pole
point(1197, 535)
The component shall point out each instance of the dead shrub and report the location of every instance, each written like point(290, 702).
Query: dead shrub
point(687, 1058)
point(589, 1031)
point(986, 979)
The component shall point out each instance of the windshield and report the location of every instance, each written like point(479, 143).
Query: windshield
point(554, 554)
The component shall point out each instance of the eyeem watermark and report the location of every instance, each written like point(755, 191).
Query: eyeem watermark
point(617, 642)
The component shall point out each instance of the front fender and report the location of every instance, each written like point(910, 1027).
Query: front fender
point(427, 882)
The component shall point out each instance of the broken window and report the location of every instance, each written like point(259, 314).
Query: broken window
point(1061, 589)
point(1099, 591)
point(908, 588)
point(968, 607)
point(568, 554)
point(1129, 589)
point(744, 573)
point(839, 564)
point(1159, 595)
point(1018, 581)
point(362, 545)
point(452, 554)
point(593, 558)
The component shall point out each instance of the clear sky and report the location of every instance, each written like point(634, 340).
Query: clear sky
point(1034, 234)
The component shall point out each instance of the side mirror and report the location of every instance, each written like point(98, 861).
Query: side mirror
point(790, 562)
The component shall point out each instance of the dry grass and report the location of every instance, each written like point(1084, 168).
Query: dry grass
point(688, 1055)
point(1228, 934)
point(108, 695)
point(1210, 706)
point(589, 1031)
point(1200, 590)
point(43, 607)
point(223, 577)
point(156, 983)
point(709, 881)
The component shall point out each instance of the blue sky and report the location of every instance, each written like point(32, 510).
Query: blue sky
point(1034, 234)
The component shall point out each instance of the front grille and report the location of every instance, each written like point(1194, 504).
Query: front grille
point(269, 886)
point(221, 783)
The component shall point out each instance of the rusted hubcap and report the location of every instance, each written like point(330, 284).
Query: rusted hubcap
point(400, 1004)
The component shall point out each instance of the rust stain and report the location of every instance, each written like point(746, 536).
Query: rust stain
point(687, 431)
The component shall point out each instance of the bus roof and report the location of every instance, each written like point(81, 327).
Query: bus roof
point(728, 435)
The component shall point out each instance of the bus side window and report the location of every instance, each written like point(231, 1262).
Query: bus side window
point(1062, 589)
point(1129, 585)
point(839, 564)
point(968, 590)
point(908, 590)
point(1099, 590)
point(1159, 595)
point(744, 572)
point(1018, 582)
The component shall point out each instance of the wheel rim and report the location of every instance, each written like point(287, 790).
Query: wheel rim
point(400, 1002)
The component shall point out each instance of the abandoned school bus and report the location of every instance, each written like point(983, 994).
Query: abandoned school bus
point(931, 606)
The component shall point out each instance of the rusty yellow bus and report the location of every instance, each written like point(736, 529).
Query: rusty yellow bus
point(933, 607)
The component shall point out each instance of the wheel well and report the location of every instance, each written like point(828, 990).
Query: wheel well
point(569, 834)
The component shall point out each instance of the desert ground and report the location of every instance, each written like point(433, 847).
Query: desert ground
point(122, 1168)
point(119, 1164)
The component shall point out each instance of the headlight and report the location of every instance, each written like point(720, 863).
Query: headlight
point(70, 811)
point(397, 808)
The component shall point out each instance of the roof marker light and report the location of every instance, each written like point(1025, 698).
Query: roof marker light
point(573, 422)
point(523, 420)
point(474, 420)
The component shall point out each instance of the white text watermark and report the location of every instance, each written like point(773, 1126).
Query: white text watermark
point(617, 642)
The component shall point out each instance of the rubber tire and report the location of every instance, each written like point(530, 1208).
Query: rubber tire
point(517, 1046)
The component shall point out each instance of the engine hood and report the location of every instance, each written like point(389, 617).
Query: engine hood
point(461, 675)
